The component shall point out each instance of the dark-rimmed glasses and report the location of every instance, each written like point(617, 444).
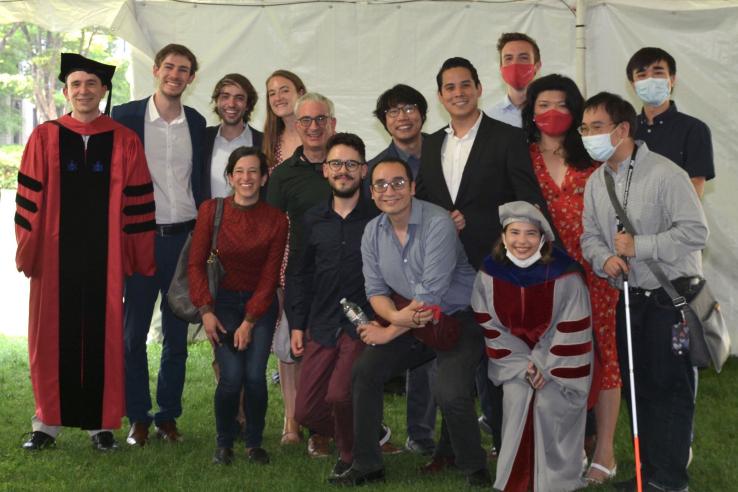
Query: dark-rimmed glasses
point(395, 112)
point(320, 120)
point(337, 164)
point(397, 184)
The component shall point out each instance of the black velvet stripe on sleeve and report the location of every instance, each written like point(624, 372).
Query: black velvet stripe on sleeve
point(139, 190)
point(140, 209)
point(29, 182)
point(24, 202)
point(139, 227)
point(22, 221)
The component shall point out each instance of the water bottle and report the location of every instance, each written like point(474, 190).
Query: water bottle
point(353, 312)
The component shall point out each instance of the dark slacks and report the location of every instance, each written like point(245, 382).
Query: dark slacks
point(140, 297)
point(452, 390)
point(664, 384)
point(421, 407)
point(323, 402)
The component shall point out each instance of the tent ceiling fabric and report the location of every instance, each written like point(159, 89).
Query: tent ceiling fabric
point(352, 51)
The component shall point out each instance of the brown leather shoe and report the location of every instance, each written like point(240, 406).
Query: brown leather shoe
point(319, 446)
point(167, 431)
point(389, 448)
point(437, 465)
point(139, 434)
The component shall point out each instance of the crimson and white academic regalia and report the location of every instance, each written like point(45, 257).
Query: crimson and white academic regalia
point(84, 220)
point(539, 314)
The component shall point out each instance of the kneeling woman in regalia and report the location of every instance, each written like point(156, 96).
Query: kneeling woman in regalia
point(531, 299)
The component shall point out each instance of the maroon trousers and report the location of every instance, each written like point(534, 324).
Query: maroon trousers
point(323, 401)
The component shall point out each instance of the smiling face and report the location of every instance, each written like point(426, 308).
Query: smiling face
point(246, 180)
point(231, 104)
point(84, 91)
point(459, 94)
point(315, 136)
point(282, 95)
point(393, 202)
point(405, 126)
point(173, 75)
point(521, 239)
point(344, 183)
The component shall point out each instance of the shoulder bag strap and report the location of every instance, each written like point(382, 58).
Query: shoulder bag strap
point(216, 225)
point(679, 301)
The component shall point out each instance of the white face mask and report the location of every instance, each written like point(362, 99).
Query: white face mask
point(653, 92)
point(599, 147)
point(528, 261)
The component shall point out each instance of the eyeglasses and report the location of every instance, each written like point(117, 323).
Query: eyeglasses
point(407, 109)
point(397, 184)
point(337, 164)
point(307, 121)
point(595, 129)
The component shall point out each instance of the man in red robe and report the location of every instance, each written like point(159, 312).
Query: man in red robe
point(84, 219)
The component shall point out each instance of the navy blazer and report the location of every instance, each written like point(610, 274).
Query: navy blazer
point(210, 133)
point(133, 115)
point(497, 171)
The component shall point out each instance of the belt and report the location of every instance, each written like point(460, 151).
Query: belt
point(174, 229)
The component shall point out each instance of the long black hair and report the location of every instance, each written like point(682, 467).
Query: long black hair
point(575, 154)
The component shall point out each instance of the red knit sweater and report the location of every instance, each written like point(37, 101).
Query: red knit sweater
point(251, 244)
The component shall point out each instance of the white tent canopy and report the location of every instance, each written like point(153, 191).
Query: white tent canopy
point(352, 51)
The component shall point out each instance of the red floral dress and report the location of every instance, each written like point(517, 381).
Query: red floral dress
point(565, 205)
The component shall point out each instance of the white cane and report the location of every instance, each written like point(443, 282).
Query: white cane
point(631, 378)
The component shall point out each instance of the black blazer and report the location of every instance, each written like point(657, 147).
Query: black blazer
point(497, 171)
point(210, 133)
point(133, 115)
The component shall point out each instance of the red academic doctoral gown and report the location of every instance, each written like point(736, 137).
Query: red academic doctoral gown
point(84, 220)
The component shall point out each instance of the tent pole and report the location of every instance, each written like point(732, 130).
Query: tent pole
point(581, 47)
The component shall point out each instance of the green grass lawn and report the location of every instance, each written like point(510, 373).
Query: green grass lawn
point(74, 465)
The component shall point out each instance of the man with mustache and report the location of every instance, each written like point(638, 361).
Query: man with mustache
point(327, 270)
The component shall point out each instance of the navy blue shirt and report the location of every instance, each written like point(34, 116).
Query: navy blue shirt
point(681, 138)
point(392, 152)
point(329, 268)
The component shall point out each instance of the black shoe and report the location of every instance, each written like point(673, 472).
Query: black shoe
point(479, 478)
point(340, 468)
point(353, 477)
point(423, 448)
point(223, 456)
point(258, 455)
point(38, 441)
point(104, 441)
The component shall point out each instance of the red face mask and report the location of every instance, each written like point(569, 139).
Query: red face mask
point(518, 75)
point(553, 122)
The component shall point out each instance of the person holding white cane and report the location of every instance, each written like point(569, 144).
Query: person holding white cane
point(659, 201)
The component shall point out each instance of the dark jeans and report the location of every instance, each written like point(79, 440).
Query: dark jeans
point(452, 390)
point(140, 297)
point(421, 407)
point(664, 384)
point(242, 369)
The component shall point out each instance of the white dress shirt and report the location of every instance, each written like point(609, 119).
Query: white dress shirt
point(222, 149)
point(506, 112)
point(169, 155)
point(454, 154)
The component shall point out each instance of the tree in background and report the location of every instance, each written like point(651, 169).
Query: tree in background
point(30, 65)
